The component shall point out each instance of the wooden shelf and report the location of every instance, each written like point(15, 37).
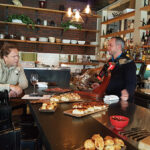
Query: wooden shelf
point(37, 42)
point(146, 46)
point(117, 33)
point(145, 27)
point(104, 49)
point(103, 61)
point(121, 17)
point(45, 10)
point(73, 63)
point(146, 8)
point(48, 27)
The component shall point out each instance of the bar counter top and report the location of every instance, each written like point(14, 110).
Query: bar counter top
point(63, 132)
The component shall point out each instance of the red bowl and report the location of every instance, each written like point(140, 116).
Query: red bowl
point(119, 122)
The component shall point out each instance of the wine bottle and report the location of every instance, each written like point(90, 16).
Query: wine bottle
point(143, 38)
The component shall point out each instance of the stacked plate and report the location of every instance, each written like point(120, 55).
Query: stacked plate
point(110, 99)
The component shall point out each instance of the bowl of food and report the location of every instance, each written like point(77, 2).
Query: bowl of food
point(119, 122)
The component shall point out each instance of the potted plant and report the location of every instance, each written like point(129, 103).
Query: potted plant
point(66, 25)
point(21, 19)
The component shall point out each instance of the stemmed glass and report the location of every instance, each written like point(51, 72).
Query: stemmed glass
point(34, 80)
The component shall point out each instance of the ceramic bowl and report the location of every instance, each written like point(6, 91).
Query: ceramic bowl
point(81, 42)
point(74, 41)
point(119, 122)
point(33, 39)
point(43, 39)
point(66, 41)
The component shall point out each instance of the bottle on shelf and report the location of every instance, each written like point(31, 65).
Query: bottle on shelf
point(146, 37)
point(143, 22)
point(132, 24)
point(143, 38)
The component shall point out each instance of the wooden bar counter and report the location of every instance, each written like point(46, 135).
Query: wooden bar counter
point(63, 132)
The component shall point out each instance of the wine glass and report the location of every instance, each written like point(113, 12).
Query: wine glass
point(34, 80)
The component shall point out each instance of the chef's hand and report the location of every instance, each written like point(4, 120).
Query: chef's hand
point(124, 105)
point(124, 95)
point(95, 85)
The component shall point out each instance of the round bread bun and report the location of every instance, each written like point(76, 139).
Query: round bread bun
point(109, 147)
point(99, 142)
point(89, 144)
point(117, 147)
point(118, 142)
point(108, 137)
point(109, 142)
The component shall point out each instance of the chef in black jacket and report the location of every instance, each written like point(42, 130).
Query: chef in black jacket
point(123, 76)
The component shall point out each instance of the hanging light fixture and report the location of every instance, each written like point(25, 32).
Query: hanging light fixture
point(76, 18)
point(69, 13)
point(87, 10)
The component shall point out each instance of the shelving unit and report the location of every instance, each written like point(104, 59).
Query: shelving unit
point(7, 6)
point(118, 33)
point(46, 10)
point(73, 63)
point(48, 27)
point(121, 17)
point(37, 42)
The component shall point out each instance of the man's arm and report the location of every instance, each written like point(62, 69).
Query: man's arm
point(130, 78)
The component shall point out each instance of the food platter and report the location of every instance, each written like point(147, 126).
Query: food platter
point(48, 107)
point(57, 90)
point(98, 142)
point(47, 110)
point(69, 112)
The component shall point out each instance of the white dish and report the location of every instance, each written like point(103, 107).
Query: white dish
point(74, 41)
point(66, 41)
point(72, 27)
point(16, 21)
point(43, 39)
point(42, 84)
point(93, 43)
point(33, 38)
point(81, 42)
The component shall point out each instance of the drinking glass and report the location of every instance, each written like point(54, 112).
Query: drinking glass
point(34, 80)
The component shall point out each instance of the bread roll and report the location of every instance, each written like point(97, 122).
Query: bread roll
point(118, 142)
point(99, 142)
point(109, 147)
point(89, 144)
point(109, 142)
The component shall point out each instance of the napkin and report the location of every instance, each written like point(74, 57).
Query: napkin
point(110, 99)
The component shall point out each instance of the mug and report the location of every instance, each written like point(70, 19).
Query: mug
point(1, 36)
point(22, 37)
point(45, 22)
point(51, 39)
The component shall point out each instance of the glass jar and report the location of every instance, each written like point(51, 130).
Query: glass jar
point(42, 3)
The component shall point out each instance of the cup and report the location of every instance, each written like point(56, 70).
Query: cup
point(2, 36)
point(22, 37)
point(45, 22)
point(51, 39)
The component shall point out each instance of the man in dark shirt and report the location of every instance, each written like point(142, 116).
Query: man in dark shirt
point(123, 77)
